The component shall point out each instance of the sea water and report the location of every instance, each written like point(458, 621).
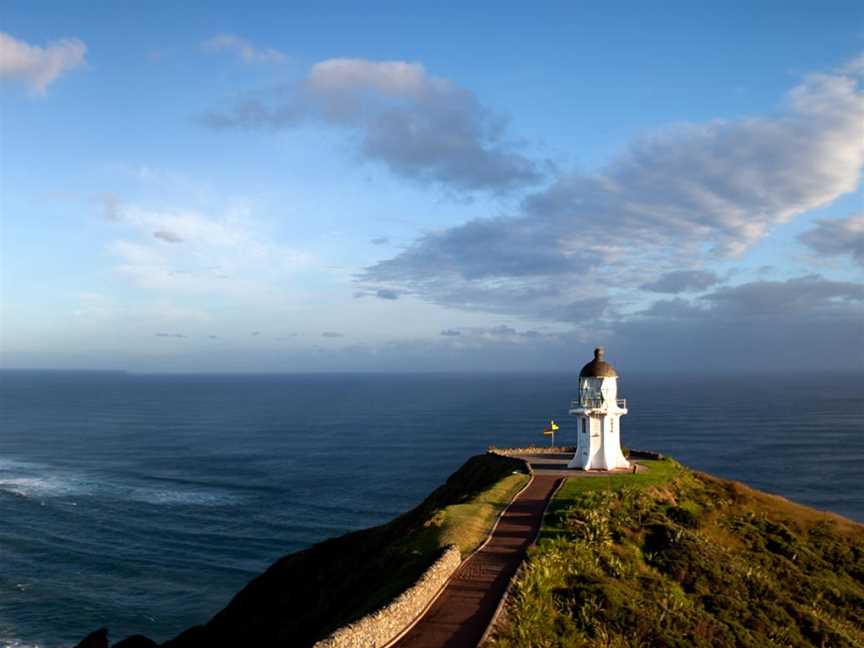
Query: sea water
point(144, 502)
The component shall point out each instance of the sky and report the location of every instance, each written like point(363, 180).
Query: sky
point(271, 187)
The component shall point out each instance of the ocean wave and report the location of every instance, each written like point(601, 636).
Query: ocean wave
point(30, 481)
point(15, 464)
point(38, 487)
point(181, 497)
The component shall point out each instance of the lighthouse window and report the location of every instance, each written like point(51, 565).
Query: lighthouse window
point(584, 426)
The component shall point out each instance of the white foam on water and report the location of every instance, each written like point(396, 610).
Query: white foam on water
point(6, 642)
point(38, 487)
point(174, 497)
point(26, 479)
point(37, 481)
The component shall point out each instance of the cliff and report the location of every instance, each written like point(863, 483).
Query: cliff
point(304, 596)
point(668, 557)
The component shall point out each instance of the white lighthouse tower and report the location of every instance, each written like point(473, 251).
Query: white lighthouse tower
point(598, 410)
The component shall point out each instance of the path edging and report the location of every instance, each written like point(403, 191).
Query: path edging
point(507, 591)
point(371, 630)
point(363, 631)
point(440, 591)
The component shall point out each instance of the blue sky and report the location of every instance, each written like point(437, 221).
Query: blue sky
point(271, 188)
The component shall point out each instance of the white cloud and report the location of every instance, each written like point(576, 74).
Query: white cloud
point(855, 67)
point(391, 78)
point(177, 252)
point(727, 182)
point(37, 66)
point(243, 49)
point(672, 201)
point(422, 127)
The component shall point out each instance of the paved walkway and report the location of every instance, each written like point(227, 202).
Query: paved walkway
point(460, 615)
point(463, 611)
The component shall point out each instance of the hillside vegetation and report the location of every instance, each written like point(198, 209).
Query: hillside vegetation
point(306, 595)
point(678, 558)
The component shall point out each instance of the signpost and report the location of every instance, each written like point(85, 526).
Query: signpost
point(550, 431)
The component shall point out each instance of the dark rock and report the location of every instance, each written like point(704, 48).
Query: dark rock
point(194, 637)
point(98, 639)
point(136, 641)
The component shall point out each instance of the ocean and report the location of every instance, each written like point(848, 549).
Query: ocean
point(144, 502)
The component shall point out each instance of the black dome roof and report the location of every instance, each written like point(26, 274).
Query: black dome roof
point(598, 368)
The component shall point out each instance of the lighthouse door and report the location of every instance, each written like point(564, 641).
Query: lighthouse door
point(584, 442)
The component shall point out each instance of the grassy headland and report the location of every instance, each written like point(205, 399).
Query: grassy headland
point(304, 596)
point(674, 557)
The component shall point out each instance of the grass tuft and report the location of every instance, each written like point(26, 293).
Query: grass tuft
point(306, 595)
point(672, 557)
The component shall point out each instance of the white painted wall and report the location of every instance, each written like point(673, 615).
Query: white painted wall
point(600, 447)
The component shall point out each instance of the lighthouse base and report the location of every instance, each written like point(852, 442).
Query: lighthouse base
point(598, 462)
point(599, 443)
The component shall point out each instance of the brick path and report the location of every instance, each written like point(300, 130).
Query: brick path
point(460, 615)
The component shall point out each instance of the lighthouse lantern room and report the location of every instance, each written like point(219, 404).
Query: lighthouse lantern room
point(598, 410)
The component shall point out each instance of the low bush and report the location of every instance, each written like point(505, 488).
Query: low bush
point(306, 595)
point(684, 559)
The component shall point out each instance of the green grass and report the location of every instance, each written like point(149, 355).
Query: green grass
point(468, 524)
point(304, 596)
point(678, 558)
point(660, 471)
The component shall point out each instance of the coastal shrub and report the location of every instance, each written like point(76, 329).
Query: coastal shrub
point(304, 596)
point(685, 514)
point(688, 560)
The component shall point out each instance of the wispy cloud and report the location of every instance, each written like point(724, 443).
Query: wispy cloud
point(800, 323)
point(682, 197)
point(810, 293)
point(111, 206)
point(168, 236)
point(36, 66)
point(421, 127)
point(838, 237)
point(680, 281)
point(386, 293)
point(243, 49)
point(474, 335)
point(185, 252)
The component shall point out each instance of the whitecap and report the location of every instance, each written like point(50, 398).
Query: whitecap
point(6, 642)
point(35, 487)
point(170, 497)
point(35, 481)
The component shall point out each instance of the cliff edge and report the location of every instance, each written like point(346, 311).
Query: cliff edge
point(668, 556)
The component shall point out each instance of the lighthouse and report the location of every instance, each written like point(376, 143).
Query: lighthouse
point(598, 411)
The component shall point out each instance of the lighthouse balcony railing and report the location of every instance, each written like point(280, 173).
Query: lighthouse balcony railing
point(596, 402)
